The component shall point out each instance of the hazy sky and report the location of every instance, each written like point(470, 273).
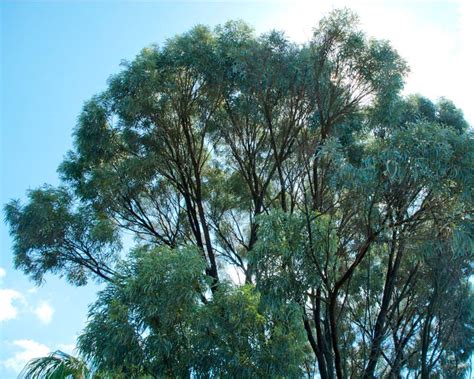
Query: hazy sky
point(55, 55)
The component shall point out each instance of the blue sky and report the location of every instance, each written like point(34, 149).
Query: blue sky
point(55, 55)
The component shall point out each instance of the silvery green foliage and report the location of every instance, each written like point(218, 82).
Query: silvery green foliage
point(345, 208)
point(288, 253)
point(52, 233)
point(155, 323)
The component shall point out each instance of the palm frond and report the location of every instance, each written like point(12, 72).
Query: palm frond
point(57, 365)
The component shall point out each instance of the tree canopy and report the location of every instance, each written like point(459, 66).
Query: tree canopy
point(344, 207)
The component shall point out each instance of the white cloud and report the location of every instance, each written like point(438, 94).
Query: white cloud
point(8, 308)
point(44, 312)
point(30, 349)
point(13, 302)
point(2, 273)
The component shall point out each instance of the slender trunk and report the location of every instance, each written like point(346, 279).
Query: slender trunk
point(334, 335)
point(258, 203)
point(380, 325)
point(316, 349)
point(333, 302)
point(212, 259)
point(190, 143)
point(425, 374)
point(425, 338)
point(328, 353)
point(322, 350)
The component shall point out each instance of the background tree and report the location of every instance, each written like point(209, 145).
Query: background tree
point(346, 207)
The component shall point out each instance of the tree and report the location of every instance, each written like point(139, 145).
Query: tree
point(346, 207)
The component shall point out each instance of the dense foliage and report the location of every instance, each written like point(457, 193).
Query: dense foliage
point(345, 209)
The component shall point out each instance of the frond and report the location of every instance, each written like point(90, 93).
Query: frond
point(57, 365)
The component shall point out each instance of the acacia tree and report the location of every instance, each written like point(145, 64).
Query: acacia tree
point(346, 207)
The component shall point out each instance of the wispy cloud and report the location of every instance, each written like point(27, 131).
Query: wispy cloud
point(2, 273)
point(13, 302)
point(29, 349)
